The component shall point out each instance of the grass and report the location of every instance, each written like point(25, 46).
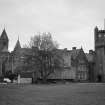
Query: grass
point(68, 94)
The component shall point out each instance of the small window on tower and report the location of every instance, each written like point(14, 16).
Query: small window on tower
point(104, 35)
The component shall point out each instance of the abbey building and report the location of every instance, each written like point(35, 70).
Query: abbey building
point(77, 65)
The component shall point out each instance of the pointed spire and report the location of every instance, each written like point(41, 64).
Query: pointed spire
point(96, 29)
point(81, 47)
point(4, 35)
point(17, 46)
point(18, 37)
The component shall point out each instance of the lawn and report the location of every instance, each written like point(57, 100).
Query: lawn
point(60, 94)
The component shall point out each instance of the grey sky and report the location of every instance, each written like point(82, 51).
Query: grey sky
point(71, 22)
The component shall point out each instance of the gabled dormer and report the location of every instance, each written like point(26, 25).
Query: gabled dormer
point(78, 57)
point(81, 57)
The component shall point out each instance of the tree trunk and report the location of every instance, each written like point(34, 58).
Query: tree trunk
point(34, 77)
point(44, 80)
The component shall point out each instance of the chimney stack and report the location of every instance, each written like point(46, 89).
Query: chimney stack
point(73, 48)
point(91, 52)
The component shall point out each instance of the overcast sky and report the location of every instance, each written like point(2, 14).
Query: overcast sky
point(71, 22)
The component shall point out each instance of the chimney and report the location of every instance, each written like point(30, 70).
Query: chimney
point(91, 51)
point(73, 48)
point(65, 49)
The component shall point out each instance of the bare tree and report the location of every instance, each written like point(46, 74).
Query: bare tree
point(46, 59)
point(43, 41)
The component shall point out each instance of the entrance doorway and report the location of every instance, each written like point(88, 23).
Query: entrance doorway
point(99, 77)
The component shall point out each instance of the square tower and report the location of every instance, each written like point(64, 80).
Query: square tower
point(99, 36)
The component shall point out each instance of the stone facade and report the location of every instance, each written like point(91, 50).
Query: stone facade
point(91, 65)
point(76, 62)
point(99, 36)
point(75, 65)
point(4, 53)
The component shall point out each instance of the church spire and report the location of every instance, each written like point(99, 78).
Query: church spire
point(81, 47)
point(17, 46)
point(4, 41)
point(104, 24)
point(4, 35)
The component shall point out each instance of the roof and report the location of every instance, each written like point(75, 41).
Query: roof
point(4, 35)
point(90, 57)
point(17, 46)
point(74, 53)
point(25, 51)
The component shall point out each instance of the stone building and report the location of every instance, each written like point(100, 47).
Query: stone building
point(4, 53)
point(77, 65)
point(99, 36)
point(91, 65)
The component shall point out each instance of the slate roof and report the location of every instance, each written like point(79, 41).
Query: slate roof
point(73, 53)
point(4, 35)
point(17, 46)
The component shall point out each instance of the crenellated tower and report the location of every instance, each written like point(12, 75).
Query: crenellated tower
point(99, 36)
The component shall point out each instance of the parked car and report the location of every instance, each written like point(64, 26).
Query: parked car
point(7, 80)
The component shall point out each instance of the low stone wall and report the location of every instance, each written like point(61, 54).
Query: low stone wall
point(25, 80)
point(64, 74)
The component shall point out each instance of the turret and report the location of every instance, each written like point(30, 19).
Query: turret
point(99, 37)
point(17, 46)
point(4, 42)
point(96, 33)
